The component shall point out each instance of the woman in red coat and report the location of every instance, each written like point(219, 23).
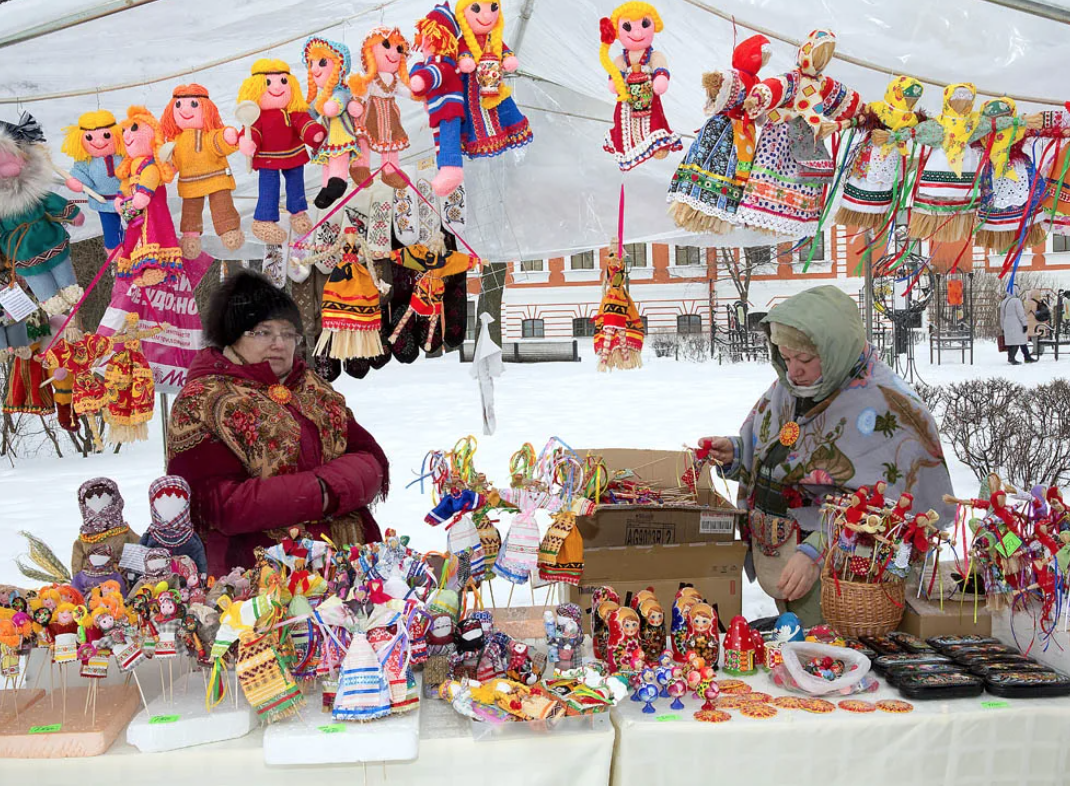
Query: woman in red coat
point(266, 444)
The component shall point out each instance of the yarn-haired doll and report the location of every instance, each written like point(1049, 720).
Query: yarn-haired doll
point(638, 77)
point(96, 145)
point(331, 102)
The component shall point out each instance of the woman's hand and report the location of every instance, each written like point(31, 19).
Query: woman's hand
point(720, 448)
point(798, 576)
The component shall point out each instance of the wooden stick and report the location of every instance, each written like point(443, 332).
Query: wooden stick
point(67, 176)
point(52, 680)
point(140, 690)
point(63, 679)
point(493, 604)
point(93, 720)
point(88, 696)
point(509, 600)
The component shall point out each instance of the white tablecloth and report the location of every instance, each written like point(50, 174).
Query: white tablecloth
point(952, 743)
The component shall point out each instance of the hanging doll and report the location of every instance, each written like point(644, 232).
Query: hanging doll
point(26, 392)
point(202, 144)
point(791, 167)
point(96, 145)
point(276, 142)
point(100, 567)
point(618, 337)
point(708, 185)
point(1055, 206)
point(604, 601)
point(331, 103)
point(638, 77)
point(624, 651)
point(171, 527)
point(384, 76)
point(702, 637)
point(434, 263)
point(129, 382)
point(71, 361)
point(879, 172)
point(32, 219)
point(101, 505)
point(652, 629)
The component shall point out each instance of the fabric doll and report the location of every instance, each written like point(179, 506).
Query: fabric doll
point(167, 620)
point(171, 527)
point(129, 382)
point(26, 374)
point(63, 630)
point(618, 337)
point(71, 361)
point(434, 264)
point(391, 645)
point(492, 122)
point(331, 103)
point(652, 629)
point(519, 552)
point(638, 77)
point(564, 632)
point(101, 505)
point(150, 253)
point(100, 567)
point(624, 650)
point(32, 218)
point(790, 165)
point(1055, 207)
point(202, 144)
point(265, 679)
point(708, 185)
point(879, 171)
point(276, 142)
point(702, 637)
point(363, 693)
point(159, 569)
point(384, 75)
point(96, 145)
point(469, 641)
point(561, 549)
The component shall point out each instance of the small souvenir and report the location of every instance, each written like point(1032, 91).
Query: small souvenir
point(686, 597)
point(911, 643)
point(895, 706)
point(1027, 684)
point(677, 688)
point(903, 670)
point(648, 690)
point(883, 645)
point(739, 648)
point(710, 694)
point(857, 705)
point(332, 104)
point(787, 702)
point(734, 686)
point(816, 706)
point(96, 145)
point(709, 716)
point(171, 527)
point(702, 635)
point(949, 685)
point(564, 636)
point(757, 710)
point(624, 651)
point(384, 76)
point(984, 669)
point(940, 642)
point(603, 601)
point(883, 662)
point(102, 522)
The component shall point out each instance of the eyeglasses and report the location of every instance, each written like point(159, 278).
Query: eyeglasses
point(268, 337)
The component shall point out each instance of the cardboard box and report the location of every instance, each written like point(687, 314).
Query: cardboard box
point(923, 618)
point(713, 520)
point(715, 569)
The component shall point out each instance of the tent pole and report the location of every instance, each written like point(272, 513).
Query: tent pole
point(72, 20)
point(1034, 8)
point(164, 418)
point(525, 14)
point(869, 288)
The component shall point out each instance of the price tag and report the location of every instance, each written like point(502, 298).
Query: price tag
point(1009, 544)
point(425, 163)
point(995, 705)
point(666, 718)
point(333, 728)
point(157, 719)
point(16, 303)
point(46, 729)
point(716, 523)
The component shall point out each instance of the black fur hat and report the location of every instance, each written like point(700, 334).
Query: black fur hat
point(242, 302)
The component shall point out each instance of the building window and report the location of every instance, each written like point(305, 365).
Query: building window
point(582, 327)
point(584, 261)
point(533, 328)
point(1060, 243)
point(473, 323)
point(646, 326)
point(819, 249)
point(758, 257)
point(531, 265)
point(688, 255)
point(635, 255)
point(689, 324)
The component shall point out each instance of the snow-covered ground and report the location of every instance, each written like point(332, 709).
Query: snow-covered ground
point(432, 403)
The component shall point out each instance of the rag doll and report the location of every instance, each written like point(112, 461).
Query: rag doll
point(618, 338)
point(384, 76)
point(33, 237)
point(101, 505)
point(652, 629)
point(638, 77)
point(434, 263)
point(708, 185)
point(202, 144)
point(332, 104)
point(492, 122)
point(129, 382)
point(469, 641)
point(391, 645)
point(624, 649)
point(519, 553)
point(276, 142)
point(167, 620)
point(561, 549)
point(71, 362)
point(100, 567)
point(171, 527)
point(26, 392)
point(1055, 206)
point(363, 693)
point(791, 166)
point(96, 145)
point(150, 253)
point(63, 631)
point(564, 636)
point(437, 82)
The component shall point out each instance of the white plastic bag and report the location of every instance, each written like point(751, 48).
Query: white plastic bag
point(797, 653)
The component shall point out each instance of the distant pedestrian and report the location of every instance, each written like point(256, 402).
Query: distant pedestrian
point(1013, 322)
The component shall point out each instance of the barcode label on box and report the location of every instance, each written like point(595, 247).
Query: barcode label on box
point(717, 523)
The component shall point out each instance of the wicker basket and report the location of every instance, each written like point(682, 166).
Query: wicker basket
point(861, 609)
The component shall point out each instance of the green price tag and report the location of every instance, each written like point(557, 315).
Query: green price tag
point(667, 718)
point(1009, 544)
point(333, 728)
point(995, 705)
point(1062, 556)
point(155, 719)
point(46, 729)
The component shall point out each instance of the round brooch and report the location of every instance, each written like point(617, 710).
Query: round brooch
point(280, 394)
point(789, 433)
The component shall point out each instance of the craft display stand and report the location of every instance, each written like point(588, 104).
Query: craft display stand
point(44, 731)
point(15, 702)
point(180, 719)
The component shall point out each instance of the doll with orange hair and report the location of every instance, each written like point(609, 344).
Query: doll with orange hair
point(96, 145)
point(384, 74)
point(150, 252)
point(201, 145)
point(331, 102)
point(638, 77)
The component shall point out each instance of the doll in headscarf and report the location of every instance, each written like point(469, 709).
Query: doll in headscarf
point(158, 570)
point(618, 337)
point(171, 527)
point(791, 165)
point(102, 522)
point(71, 361)
point(878, 172)
point(708, 185)
point(624, 648)
point(99, 568)
point(332, 104)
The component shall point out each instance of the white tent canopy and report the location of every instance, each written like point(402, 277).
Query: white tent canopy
point(560, 193)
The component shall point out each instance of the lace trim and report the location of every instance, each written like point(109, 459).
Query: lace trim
point(706, 209)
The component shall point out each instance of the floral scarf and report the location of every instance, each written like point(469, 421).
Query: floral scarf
point(957, 126)
point(894, 111)
point(1003, 141)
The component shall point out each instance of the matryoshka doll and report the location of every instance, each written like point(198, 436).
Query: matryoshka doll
point(702, 633)
point(738, 648)
point(603, 602)
point(685, 599)
point(652, 628)
point(624, 650)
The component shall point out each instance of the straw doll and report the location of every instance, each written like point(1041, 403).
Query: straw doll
point(129, 382)
point(96, 145)
point(618, 338)
point(332, 104)
point(384, 76)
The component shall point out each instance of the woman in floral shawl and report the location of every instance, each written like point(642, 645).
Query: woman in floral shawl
point(836, 419)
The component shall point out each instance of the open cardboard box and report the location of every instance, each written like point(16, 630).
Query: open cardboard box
point(713, 520)
point(925, 619)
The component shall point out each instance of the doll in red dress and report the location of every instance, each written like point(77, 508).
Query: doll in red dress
point(131, 390)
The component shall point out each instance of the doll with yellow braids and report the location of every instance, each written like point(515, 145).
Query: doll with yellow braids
point(96, 145)
point(638, 77)
point(384, 77)
point(331, 102)
point(492, 122)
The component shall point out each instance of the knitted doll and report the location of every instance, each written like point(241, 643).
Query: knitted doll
point(101, 505)
point(71, 361)
point(708, 185)
point(150, 252)
point(32, 219)
point(492, 122)
point(618, 337)
point(202, 144)
point(702, 636)
point(437, 82)
point(332, 104)
point(100, 567)
point(96, 145)
point(434, 264)
point(652, 633)
point(128, 379)
point(624, 649)
point(276, 142)
point(384, 75)
point(171, 527)
point(879, 172)
point(638, 77)
point(790, 165)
